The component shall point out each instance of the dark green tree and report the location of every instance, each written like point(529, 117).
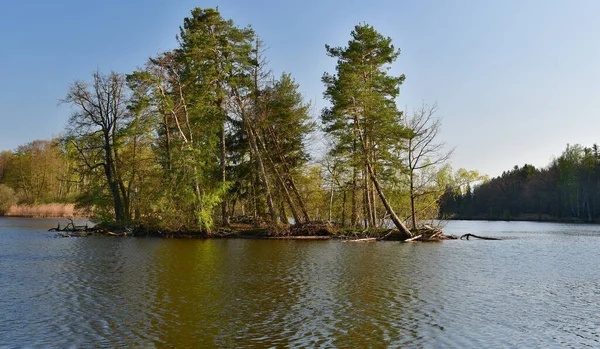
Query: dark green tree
point(216, 55)
point(363, 118)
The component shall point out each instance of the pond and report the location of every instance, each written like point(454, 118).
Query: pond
point(538, 288)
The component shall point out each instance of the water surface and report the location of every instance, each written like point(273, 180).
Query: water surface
point(539, 288)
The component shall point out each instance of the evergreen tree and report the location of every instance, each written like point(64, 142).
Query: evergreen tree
point(363, 118)
point(216, 57)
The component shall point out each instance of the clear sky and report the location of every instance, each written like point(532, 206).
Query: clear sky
point(515, 81)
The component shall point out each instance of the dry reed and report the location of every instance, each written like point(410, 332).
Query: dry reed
point(54, 210)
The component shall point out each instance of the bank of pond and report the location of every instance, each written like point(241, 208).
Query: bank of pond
point(301, 231)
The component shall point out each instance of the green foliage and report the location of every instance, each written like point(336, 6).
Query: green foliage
point(362, 92)
point(37, 171)
point(288, 123)
point(7, 198)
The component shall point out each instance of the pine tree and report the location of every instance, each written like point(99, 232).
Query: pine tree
point(216, 55)
point(363, 118)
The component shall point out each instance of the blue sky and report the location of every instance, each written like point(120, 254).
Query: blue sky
point(515, 81)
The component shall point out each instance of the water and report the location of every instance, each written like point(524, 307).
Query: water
point(539, 288)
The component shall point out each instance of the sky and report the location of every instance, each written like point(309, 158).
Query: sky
point(514, 81)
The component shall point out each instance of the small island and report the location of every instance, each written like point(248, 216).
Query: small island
point(203, 140)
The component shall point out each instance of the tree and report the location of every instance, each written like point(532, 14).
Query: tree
point(284, 128)
point(273, 123)
point(5, 158)
point(216, 54)
point(35, 171)
point(97, 131)
point(187, 92)
point(423, 154)
point(566, 189)
point(7, 198)
point(363, 118)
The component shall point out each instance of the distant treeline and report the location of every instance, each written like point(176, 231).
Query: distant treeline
point(568, 189)
point(205, 133)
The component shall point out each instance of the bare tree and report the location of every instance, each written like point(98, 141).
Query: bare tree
point(423, 153)
point(100, 114)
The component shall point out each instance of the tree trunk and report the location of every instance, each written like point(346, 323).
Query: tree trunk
point(288, 176)
point(254, 202)
point(112, 182)
point(282, 214)
point(330, 204)
point(344, 208)
point(280, 180)
point(413, 216)
point(263, 174)
point(353, 198)
point(401, 227)
point(298, 197)
point(224, 213)
point(367, 200)
point(368, 187)
point(373, 201)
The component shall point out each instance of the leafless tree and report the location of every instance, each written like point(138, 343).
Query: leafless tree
point(423, 152)
point(99, 116)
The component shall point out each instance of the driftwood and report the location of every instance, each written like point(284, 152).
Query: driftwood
point(392, 231)
point(72, 230)
point(362, 240)
point(110, 233)
point(478, 237)
point(414, 238)
point(70, 227)
point(425, 233)
point(310, 237)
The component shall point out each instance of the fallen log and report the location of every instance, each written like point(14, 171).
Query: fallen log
point(110, 233)
point(71, 227)
point(413, 239)
point(362, 240)
point(467, 236)
point(392, 231)
point(435, 235)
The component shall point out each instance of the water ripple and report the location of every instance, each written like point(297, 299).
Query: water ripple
point(538, 289)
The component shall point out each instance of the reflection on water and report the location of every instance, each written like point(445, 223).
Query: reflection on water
point(538, 288)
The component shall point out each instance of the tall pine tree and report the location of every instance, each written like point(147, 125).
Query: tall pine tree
point(363, 118)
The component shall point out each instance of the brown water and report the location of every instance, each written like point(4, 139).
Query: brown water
point(540, 288)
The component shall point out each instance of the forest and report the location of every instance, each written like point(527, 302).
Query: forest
point(566, 190)
point(206, 136)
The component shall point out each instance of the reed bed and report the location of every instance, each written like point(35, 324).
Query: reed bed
point(54, 210)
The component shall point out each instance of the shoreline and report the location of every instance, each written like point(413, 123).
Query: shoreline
point(294, 232)
point(525, 219)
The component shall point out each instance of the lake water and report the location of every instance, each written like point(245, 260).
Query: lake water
point(539, 288)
